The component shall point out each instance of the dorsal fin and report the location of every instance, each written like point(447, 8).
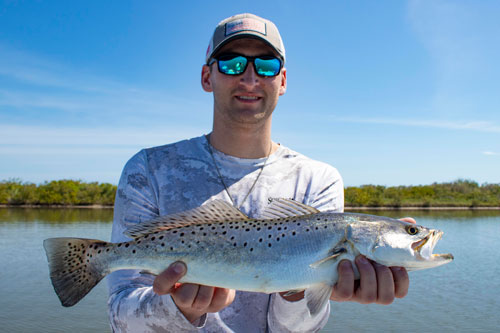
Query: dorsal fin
point(279, 208)
point(214, 211)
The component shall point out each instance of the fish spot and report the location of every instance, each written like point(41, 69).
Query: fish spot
point(260, 240)
point(269, 236)
point(251, 249)
point(153, 238)
point(269, 244)
point(127, 245)
point(162, 244)
point(133, 251)
point(245, 244)
point(294, 233)
point(160, 238)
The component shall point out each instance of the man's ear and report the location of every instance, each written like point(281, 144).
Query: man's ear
point(206, 83)
point(283, 82)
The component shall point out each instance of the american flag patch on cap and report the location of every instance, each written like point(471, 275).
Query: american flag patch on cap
point(245, 24)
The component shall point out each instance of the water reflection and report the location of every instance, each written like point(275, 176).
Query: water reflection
point(55, 215)
point(71, 215)
point(434, 214)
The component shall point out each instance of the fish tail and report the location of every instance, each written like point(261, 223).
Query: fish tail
point(75, 266)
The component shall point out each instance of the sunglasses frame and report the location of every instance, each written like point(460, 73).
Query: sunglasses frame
point(248, 59)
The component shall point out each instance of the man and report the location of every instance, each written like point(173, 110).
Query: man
point(237, 162)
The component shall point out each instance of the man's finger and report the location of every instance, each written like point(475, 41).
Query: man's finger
point(367, 291)
point(203, 297)
point(401, 281)
point(185, 295)
point(343, 289)
point(222, 297)
point(385, 284)
point(408, 219)
point(166, 280)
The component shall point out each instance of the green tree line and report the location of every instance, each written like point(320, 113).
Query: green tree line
point(57, 192)
point(460, 193)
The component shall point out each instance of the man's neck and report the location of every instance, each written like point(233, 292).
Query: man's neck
point(243, 143)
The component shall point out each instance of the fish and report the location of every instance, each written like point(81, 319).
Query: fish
point(292, 248)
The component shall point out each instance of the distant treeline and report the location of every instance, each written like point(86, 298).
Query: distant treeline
point(57, 192)
point(460, 193)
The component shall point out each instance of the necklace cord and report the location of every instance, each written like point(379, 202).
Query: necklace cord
point(222, 179)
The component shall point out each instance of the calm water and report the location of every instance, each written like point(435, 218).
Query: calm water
point(461, 296)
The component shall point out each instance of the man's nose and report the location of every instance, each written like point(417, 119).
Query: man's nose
point(249, 77)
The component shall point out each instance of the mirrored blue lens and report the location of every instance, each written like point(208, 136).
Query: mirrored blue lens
point(267, 66)
point(233, 66)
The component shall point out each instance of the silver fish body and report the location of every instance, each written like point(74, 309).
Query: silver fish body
point(294, 247)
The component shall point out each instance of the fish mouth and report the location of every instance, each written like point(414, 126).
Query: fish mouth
point(424, 247)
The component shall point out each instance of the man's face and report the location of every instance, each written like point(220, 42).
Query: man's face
point(247, 98)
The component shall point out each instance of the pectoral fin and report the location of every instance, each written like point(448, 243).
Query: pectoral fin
point(333, 254)
point(317, 297)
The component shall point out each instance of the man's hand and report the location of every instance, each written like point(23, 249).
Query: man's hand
point(192, 300)
point(377, 283)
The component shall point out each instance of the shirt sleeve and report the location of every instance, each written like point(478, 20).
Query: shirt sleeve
point(132, 304)
point(285, 316)
point(329, 190)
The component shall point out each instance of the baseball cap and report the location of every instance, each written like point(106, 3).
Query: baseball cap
point(245, 26)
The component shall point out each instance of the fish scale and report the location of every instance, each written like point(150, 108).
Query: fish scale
point(295, 247)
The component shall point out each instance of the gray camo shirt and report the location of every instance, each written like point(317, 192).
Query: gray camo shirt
point(181, 176)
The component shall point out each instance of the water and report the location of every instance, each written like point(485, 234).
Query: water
point(458, 297)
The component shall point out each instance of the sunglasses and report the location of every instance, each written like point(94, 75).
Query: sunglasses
point(235, 64)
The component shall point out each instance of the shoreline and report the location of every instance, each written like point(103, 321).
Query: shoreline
point(347, 208)
point(59, 206)
point(424, 208)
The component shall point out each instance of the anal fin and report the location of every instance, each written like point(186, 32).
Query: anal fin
point(317, 297)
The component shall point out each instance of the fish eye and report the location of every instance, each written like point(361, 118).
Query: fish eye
point(412, 230)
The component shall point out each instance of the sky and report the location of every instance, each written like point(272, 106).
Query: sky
point(389, 92)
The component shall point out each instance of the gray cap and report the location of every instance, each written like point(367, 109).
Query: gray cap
point(245, 26)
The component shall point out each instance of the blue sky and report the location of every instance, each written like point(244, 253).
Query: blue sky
point(389, 92)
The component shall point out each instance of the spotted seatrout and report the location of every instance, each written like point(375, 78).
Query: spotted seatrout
point(294, 247)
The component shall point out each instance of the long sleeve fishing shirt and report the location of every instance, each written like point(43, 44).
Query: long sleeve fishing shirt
point(181, 176)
